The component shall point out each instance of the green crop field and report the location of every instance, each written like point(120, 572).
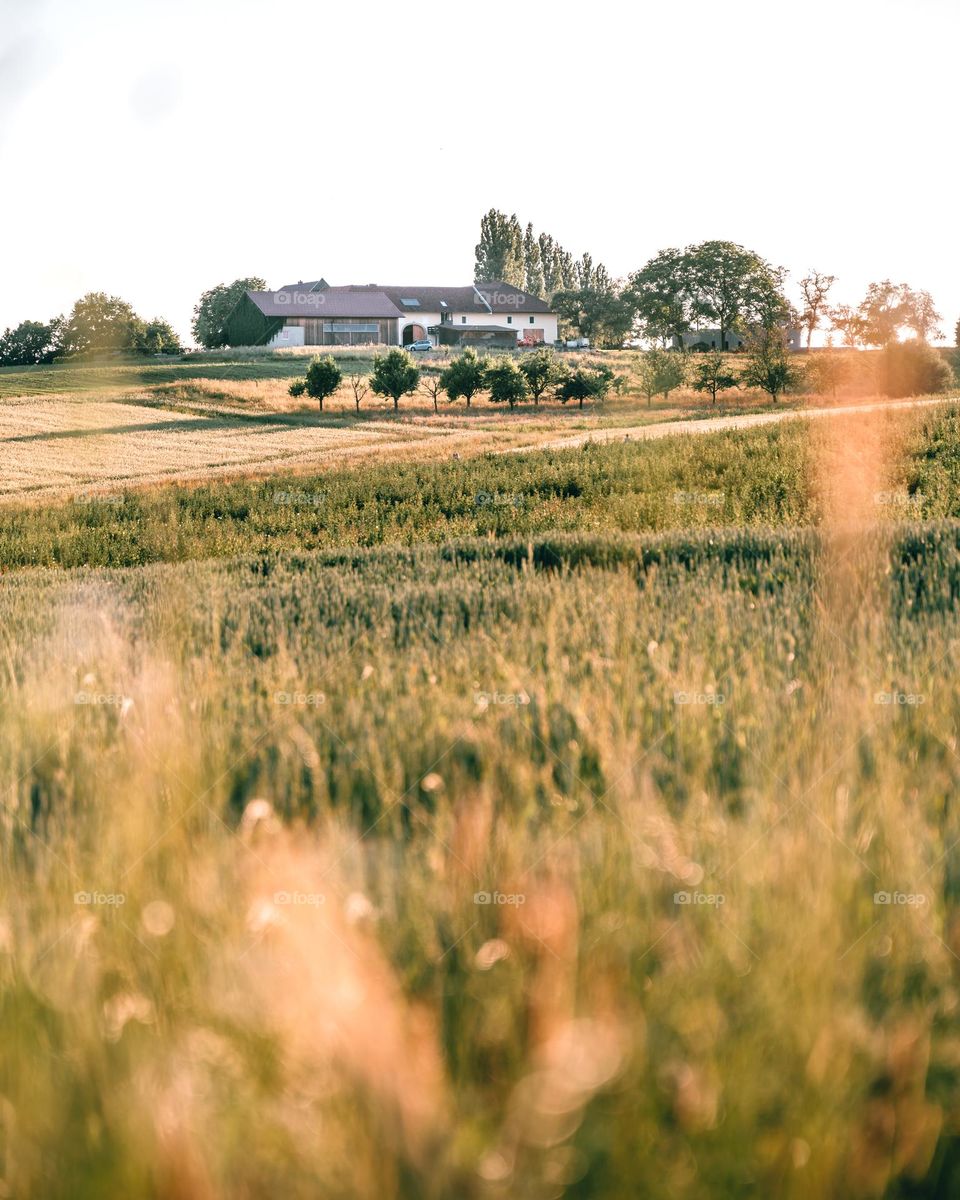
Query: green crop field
point(572, 823)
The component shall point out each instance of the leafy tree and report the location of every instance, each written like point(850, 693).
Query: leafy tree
point(297, 387)
point(920, 314)
point(768, 364)
point(601, 313)
point(506, 382)
point(214, 306)
point(734, 288)
point(815, 288)
point(849, 324)
point(711, 375)
point(660, 292)
point(913, 369)
point(499, 253)
point(157, 337)
point(465, 376)
point(29, 343)
point(394, 374)
point(660, 372)
point(532, 264)
point(323, 377)
point(99, 323)
point(585, 384)
point(882, 313)
point(826, 370)
point(541, 369)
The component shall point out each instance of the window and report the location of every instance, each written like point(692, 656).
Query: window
point(509, 320)
point(463, 320)
point(409, 303)
point(532, 320)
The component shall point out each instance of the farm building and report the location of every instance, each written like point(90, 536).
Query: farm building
point(491, 315)
point(709, 339)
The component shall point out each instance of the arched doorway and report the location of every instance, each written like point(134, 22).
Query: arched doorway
point(414, 333)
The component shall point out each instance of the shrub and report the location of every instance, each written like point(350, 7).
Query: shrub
point(323, 378)
point(913, 369)
point(298, 387)
point(585, 384)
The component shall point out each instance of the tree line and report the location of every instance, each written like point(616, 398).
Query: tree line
point(97, 324)
point(717, 284)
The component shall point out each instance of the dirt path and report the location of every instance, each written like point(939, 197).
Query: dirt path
point(663, 429)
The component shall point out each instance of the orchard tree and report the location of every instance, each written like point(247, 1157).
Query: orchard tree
point(768, 364)
point(815, 288)
point(29, 343)
point(826, 370)
point(465, 376)
point(541, 369)
point(712, 375)
point(660, 372)
point(506, 382)
point(214, 306)
point(395, 374)
point(359, 387)
point(585, 384)
point(432, 386)
point(323, 378)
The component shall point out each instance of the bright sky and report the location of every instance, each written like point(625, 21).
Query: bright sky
point(153, 148)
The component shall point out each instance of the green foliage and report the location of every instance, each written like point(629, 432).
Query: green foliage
point(660, 372)
point(661, 296)
point(506, 382)
point(395, 374)
point(215, 306)
point(825, 371)
point(298, 387)
point(585, 383)
point(913, 369)
point(600, 311)
point(542, 369)
point(769, 366)
point(29, 343)
point(465, 376)
point(712, 375)
point(323, 377)
point(499, 253)
point(158, 337)
point(98, 324)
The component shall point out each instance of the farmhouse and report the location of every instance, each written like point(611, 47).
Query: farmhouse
point(709, 339)
point(488, 315)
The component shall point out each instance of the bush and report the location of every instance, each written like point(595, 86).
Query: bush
point(298, 387)
point(584, 384)
point(507, 382)
point(913, 369)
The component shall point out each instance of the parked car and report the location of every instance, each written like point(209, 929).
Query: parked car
point(421, 345)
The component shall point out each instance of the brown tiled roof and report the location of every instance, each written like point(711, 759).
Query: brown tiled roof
point(328, 303)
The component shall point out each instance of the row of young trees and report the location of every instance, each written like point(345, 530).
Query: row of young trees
point(96, 324)
point(505, 380)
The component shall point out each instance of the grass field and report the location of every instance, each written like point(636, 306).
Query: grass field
point(568, 823)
